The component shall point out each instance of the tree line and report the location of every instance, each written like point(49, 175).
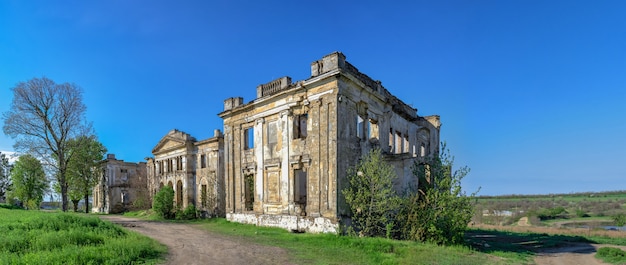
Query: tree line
point(47, 121)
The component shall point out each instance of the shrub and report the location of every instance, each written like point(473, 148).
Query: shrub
point(163, 203)
point(439, 211)
point(371, 197)
point(611, 255)
point(188, 214)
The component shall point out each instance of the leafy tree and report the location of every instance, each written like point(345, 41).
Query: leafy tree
point(43, 117)
point(371, 196)
point(4, 175)
point(83, 171)
point(439, 210)
point(163, 202)
point(29, 181)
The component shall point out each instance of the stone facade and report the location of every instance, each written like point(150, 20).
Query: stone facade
point(122, 186)
point(194, 169)
point(286, 153)
point(283, 158)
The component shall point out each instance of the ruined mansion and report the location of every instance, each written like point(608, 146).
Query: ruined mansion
point(282, 158)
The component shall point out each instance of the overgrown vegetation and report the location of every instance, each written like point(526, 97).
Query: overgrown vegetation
point(333, 249)
point(163, 206)
point(371, 196)
point(437, 211)
point(611, 255)
point(163, 202)
point(33, 237)
point(440, 210)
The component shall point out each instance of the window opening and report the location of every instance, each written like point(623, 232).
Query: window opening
point(249, 138)
point(203, 196)
point(179, 193)
point(249, 192)
point(299, 126)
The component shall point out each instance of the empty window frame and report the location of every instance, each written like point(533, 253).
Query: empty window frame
point(405, 145)
point(359, 126)
point(203, 196)
point(299, 126)
point(300, 191)
point(391, 141)
point(248, 138)
point(398, 145)
point(248, 190)
point(203, 161)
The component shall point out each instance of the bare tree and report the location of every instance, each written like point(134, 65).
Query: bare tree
point(43, 117)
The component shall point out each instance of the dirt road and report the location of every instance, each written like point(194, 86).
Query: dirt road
point(190, 245)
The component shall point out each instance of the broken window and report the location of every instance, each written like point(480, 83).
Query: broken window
point(299, 126)
point(300, 191)
point(203, 161)
point(179, 193)
point(391, 140)
point(249, 138)
point(272, 137)
point(249, 192)
point(372, 129)
point(359, 126)
point(398, 146)
point(405, 145)
point(203, 196)
point(179, 163)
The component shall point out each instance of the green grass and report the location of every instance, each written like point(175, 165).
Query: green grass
point(34, 237)
point(333, 249)
point(611, 255)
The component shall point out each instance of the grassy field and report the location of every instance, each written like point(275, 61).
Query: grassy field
point(36, 237)
point(305, 248)
point(334, 249)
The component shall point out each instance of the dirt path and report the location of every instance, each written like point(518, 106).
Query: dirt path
point(576, 254)
point(189, 245)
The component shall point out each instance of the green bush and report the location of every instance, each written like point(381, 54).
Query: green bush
point(188, 214)
point(611, 255)
point(163, 203)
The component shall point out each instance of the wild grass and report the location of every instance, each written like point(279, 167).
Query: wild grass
point(34, 237)
point(333, 249)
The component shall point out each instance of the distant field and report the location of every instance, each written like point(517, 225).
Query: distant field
point(571, 197)
point(551, 209)
point(35, 237)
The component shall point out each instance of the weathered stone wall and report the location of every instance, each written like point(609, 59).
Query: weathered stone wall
point(210, 196)
point(121, 184)
point(174, 165)
point(345, 114)
point(289, 222)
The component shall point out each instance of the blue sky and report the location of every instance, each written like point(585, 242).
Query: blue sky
point(532, 94)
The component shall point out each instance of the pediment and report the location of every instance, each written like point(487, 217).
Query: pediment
point(173, 140)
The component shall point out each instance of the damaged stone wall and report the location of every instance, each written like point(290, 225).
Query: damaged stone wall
point(122, 187)
point(210, 176)
point(194, 169)
point(287, 151)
